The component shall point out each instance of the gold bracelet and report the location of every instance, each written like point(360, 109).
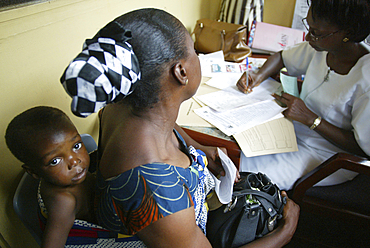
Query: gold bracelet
point(316, 122)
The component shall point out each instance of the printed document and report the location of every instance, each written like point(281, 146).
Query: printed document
point(224, 185)
point(240, 119)
point(231, 97)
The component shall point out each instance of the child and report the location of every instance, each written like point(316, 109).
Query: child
point(48, 144)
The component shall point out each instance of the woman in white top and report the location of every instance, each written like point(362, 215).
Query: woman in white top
point(332, 111)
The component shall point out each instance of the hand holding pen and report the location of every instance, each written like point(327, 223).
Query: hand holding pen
point(248, 81)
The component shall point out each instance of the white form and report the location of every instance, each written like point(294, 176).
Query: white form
point(223, 80)
point(231, 97)
point(240, 119)
point(224, 185)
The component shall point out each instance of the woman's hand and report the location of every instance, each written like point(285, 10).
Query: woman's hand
point(290, 218)
point(296, 109)
point(214, 161)
point(271, 67)
point(252, 82)
point(285, 230)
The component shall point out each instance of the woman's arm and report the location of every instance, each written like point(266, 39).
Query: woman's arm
point(175, 230)
point(271, 67)
point(179, 230)
point(298, 111)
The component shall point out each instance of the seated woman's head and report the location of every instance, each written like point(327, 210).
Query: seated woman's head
point(48, 144)
point(153, 42)
point(348, 15)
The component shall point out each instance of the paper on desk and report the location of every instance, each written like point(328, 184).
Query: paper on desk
point(223, 80)
point(187, 117)
point(224, 100)
point(231, 97)
point(224, 185)
point(206, 60)
point(240, 119)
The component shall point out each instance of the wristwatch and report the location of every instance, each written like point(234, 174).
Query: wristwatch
point(316, 122)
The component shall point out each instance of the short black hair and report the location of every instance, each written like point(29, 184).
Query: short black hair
point(22, 130)
point(158, 41)
point(351, 15)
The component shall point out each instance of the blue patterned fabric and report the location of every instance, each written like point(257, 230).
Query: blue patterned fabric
point(84, 234)
point(138, 197)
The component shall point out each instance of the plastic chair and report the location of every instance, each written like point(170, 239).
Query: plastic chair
point(25, 197)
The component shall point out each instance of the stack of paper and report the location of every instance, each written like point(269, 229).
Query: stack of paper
point(233, 112)
point(255, 120)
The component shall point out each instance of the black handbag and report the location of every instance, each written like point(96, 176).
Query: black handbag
point(253, 212)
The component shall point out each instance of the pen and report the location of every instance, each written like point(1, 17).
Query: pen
point(191, 104)
point(246, 73)
point(246, 66)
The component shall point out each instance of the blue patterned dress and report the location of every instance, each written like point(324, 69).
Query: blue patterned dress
point(138, 197)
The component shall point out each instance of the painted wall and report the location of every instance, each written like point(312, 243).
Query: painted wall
point(36, 44)
point(279, 12)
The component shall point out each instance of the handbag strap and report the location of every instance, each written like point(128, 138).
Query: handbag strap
point(268, 202)
point(222, 33)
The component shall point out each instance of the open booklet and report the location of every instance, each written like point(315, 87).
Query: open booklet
point(276, 136)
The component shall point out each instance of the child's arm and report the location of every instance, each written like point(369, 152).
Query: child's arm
point(61, 216)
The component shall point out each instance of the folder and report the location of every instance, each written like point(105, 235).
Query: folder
point(270, 38)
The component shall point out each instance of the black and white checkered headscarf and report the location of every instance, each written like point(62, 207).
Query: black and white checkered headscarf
point(105, 71)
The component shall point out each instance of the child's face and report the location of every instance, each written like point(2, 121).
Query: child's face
point(63, 159)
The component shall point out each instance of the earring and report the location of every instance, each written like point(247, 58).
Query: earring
point(187, 81)
point(345, 40)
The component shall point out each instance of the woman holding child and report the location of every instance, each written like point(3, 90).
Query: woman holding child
point(152, 179)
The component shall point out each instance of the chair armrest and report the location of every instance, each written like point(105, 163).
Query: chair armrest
point(336, 162)
point(233, 150)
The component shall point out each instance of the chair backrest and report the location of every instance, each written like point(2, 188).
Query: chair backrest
point(89, 142)
point(25, 197)
point(25, 205)
point(347, 201)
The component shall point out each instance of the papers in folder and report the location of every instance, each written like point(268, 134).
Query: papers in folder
point(233, 112)
point(255, 120)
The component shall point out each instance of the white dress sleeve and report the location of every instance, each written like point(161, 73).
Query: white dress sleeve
point(297, 58)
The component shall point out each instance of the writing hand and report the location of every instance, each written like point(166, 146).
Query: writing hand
point(252, 82)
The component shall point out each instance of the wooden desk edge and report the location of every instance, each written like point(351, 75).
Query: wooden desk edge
point(233, 150)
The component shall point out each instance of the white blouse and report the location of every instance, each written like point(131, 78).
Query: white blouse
point(342, 100)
